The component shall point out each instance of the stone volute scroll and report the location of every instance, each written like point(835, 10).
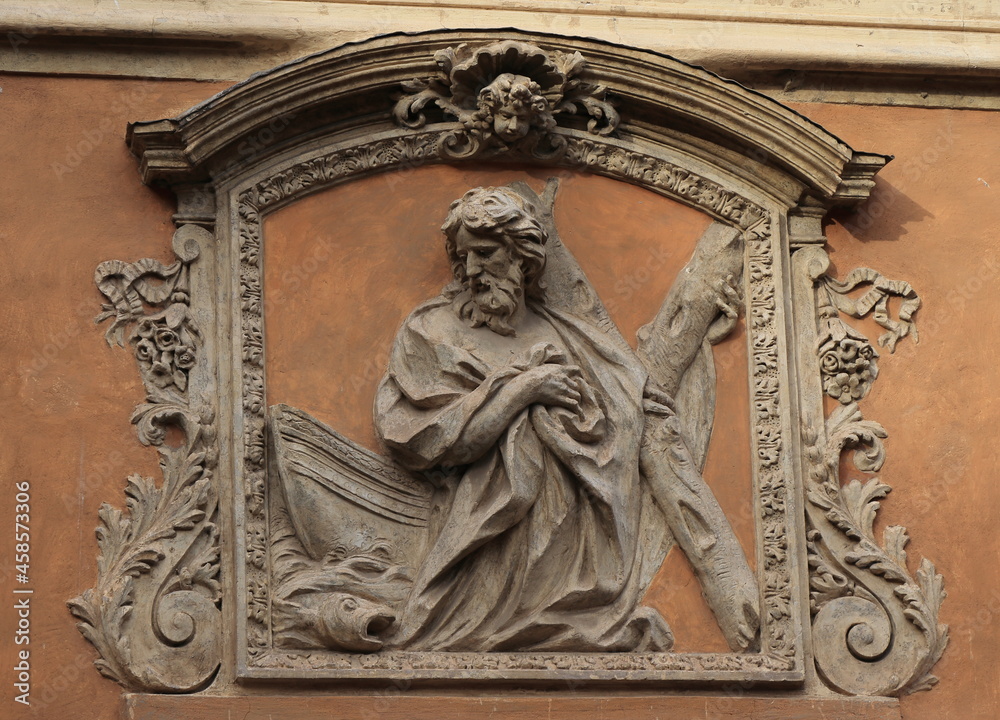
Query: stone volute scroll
point(154, 614)
point(535, 464)
point(875, 626)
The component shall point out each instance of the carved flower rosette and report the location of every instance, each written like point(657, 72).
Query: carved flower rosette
point(847, 361)
point(164, 345)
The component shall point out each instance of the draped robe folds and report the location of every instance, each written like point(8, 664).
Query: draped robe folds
point(548, 540)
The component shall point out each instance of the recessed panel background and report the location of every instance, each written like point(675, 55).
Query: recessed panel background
point(344, 267)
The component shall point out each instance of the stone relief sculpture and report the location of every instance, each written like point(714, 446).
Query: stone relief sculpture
point(535, 470)
point(506, 96)
point(154, 614)
point(847, 360)
point(867, 608)
point(560, 471)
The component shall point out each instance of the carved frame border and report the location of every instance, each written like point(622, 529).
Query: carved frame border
point(781, 657)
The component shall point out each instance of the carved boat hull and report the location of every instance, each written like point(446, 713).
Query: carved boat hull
point(343, 498)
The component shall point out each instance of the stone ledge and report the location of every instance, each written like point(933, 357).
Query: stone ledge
point(395, 705)
point(230, 39)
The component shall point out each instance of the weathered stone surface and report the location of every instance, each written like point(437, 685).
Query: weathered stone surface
point(879, 51)
point(393, 705)
point(516, 340)
point(69, 396)
point(558, 458)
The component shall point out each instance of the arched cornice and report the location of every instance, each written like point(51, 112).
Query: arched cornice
point(351, 90)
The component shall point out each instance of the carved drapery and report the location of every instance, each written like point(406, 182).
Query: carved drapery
point(506, 96)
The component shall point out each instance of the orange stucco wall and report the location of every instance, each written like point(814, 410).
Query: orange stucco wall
point(70, 198)
point(344, 268)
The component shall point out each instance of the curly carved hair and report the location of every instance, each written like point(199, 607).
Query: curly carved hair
point(503, 214)
point(521, 94)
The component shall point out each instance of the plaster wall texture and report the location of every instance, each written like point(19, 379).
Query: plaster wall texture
point(70, 198)
point(230, 39)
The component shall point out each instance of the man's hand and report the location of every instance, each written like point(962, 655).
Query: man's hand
point(554, 384)
point(729, 302)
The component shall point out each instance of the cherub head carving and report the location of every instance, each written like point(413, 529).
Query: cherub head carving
point(513, 105)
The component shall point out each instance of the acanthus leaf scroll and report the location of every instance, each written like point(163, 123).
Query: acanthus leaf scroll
point(154, 614)
point(875, 626)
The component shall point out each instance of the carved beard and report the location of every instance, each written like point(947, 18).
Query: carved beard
point(492, 301)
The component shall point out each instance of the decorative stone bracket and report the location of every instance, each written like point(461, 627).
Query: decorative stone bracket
point(506, 95)
point(875, 627)
point(154, 614)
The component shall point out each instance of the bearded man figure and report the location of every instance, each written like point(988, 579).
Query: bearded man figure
point(547, 443)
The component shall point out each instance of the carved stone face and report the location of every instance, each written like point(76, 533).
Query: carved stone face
point(513, 104)
point(353, 623)
point(483, 257)
point(493, 276)
point(509, 124)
